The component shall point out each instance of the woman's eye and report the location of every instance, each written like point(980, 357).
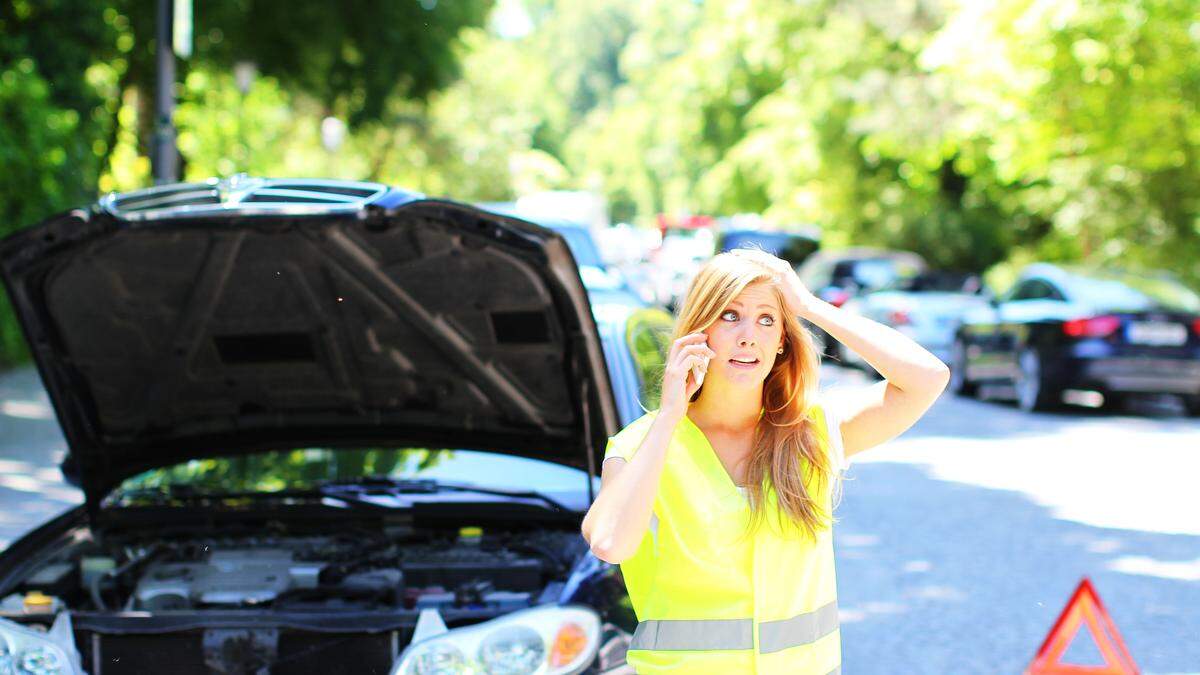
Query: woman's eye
point(729, 315)
point(770, 320)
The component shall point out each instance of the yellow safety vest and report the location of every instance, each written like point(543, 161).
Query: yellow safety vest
point(710, 600)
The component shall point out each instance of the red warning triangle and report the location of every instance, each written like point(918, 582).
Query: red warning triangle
point(1084, 609)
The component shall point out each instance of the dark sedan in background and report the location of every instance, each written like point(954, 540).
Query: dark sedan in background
point(1062, 330)
point(321, 427)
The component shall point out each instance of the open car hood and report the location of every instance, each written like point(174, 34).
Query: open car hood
point(168, 334)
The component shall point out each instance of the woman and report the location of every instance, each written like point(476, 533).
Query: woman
point(718, 505)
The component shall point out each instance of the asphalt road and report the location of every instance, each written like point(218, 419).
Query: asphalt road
point(958, 543)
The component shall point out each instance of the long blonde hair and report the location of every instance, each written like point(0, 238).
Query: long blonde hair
point(786, 448)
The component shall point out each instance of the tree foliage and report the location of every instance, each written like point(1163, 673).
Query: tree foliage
point(77, 81)
point(980, 134)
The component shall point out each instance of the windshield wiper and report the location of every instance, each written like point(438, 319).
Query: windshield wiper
point(354, 491)
point(359, 487)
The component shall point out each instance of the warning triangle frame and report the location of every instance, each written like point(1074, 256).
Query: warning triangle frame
point(1083, 609)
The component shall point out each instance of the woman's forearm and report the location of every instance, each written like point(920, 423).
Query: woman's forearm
point(900, 360)
point(617, 521)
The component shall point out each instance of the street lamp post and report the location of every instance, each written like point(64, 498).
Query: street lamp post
point(164, 159)
point(243, 77)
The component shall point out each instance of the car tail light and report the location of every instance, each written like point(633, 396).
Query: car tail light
point(835, 296)
point(1097, 326)
point(1196, 326)
point(900, 318)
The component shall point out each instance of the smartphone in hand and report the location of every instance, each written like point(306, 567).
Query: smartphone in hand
point(698, 372)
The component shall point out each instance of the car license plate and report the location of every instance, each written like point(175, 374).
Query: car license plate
point(1157, 333)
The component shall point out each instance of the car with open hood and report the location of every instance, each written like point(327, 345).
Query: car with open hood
point(320, 426)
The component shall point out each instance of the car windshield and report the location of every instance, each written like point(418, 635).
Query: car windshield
point(876, 273)
point(1118, 291)
point(791, 247)
point(944, 282)
point(581, 243)
point(306, 468)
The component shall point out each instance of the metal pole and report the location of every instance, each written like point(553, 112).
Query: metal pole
point(164, 156)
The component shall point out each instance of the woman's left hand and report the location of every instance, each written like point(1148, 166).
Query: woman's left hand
point(795, 293)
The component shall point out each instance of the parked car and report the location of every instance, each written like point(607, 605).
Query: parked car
point(320, 427)
point(602, 281)
point(675, 262)
point(598, 276)
point(792, 246)
point(837, 276)
point(1062, 328)
point(926, 307)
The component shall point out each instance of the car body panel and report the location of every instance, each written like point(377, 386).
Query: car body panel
point(201, 334)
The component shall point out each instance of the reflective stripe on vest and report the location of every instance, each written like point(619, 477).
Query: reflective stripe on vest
point(694, 634)
point(708, 634)
point(802, 629)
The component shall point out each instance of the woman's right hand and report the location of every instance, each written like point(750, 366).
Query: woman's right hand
point(678, 383)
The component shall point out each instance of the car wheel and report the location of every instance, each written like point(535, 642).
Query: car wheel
point(959, 384)
point(1115, 402)
point(1033, 392)
point(1192, 404)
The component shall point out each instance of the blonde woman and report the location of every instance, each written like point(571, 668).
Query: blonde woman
point(718, 505)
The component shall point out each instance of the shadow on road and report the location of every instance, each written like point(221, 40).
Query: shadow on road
point(932, 580)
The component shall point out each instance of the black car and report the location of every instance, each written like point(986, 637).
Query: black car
point(792, 246)
point(1061, 329)
point(321, 427)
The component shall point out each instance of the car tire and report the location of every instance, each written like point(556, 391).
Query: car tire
point(1034, 391)
point(1115, 402)
point(1192, 405)
point(959, 384)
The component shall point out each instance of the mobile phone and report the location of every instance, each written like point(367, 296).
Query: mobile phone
point(698, 372)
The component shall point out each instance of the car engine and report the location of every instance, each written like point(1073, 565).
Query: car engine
point(500, 571)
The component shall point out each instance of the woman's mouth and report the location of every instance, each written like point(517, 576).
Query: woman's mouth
point(744, 363)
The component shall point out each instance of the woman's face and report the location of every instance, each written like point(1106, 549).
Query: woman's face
point(746, 336)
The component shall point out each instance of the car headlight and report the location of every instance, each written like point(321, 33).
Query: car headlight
point(25, 651)
point(552, 640)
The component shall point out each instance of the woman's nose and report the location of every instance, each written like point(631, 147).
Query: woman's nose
point(745, 341)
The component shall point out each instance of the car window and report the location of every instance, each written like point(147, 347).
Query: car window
point(791, 247)
point(304, 468)
point(875, 273)
point(1110, 292)
point(648, 335)
point(1036, 289)
point(581, 243)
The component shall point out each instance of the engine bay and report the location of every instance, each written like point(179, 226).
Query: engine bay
point(293, 601)
point(497, 571)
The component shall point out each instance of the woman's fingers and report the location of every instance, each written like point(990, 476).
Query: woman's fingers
point(699, 348)
point(690, 338)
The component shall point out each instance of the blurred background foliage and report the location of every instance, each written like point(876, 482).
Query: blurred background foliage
point(981, 134)
point(277, 470)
